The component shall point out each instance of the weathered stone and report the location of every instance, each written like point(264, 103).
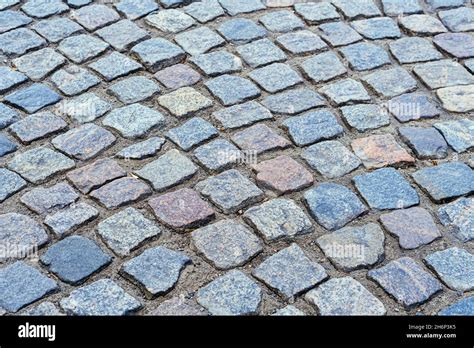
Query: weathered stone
point(232, 90)
point(20, 41)
point(57, 29)
point(71, 218)
point(241, 115)
point(44, 309)
point(469, 63)
point(444, 73)
point(406, 281)
point(12, 19)
point(464, 307)
point(158, 53)
point(95, 16)
point(414, 50)
point(179, 305)
point(315, 13)
point(182, 209)
point(365, 56)
point(7, 116)
point(204, 11)
point(333, 205)
point(458, 217)
point(377, 28)
point(74, 80)
point(134, 89)
point(345, 296)
point(275, 77)
point(37, 126)
point(460, 19)
point(460, 45)
point(115, 65)
point(427, 143)
point(391, 82)
point(81, 48)
point(141, 150)
point(293, 101)
point(365, 117)
point(178, 76)
point(127, 230)
point(217, 155)
point(192, 133)
point(279, 219)
point(135, 10)
point(6, 146)
point(43, 200)
point(289, 311)
point(281, 21)
point(44, 8)
point(345, 91)
point(39, 64)
point(121, 192)
point(290, 272)
point(357, 8)
point(217, 63)
point(85, 108)
point(438, 4)
point(170, 21)
point(4, 4)
point(94, 175)
point(10, 78)
point(11, 183)
point(323, 67)
point(122, 35)
point(259, 139)
point(400, 7)
point(198, 41)
point(457, 98)
point(458, 133)
point(33, 98)
point(241, 30)
point(184, 102)
point(301, 42)
point(412, 106)
point(339, 34)
point(422, 24)
point(226, 244)
point(414, 227)
point(261, 52)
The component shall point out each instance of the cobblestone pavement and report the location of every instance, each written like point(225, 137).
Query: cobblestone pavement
point(237, 157)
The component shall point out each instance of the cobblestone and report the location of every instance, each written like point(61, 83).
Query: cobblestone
point(37, 126)
point(43, 200)
point(71, 218)
point(11, 183)
point(121, 192)
point(178, 76)
point(458, 217)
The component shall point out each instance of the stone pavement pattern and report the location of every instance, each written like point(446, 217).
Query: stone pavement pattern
point(236, 157)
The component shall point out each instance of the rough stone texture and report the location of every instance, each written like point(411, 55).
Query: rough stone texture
point(71, 218)
point(412, 106)
point(236, 7)
point(289, 311)
point(198, 41)
point(414, 227)
point(365, 117)
point(6, 146)
point(84, 108)
point(10, 78)
point(204, 11)
point(184, 102)
point(457, 98)
point(242, 115)
point(217, 63)
point(422, 24)
point(39, 64)
point(345, 296)
point(463, 307)
point(290, 272)
point(43, 200)
point(170, 21)
point(12, 19)
point(7, 116)
point(444, 73)
point(276, 77)
point(179, 306)
point(460, 19)
point(314, 13)
point(339, 34)
point(44, 309)
point(121, 192)
point(458, 133)
point(293, 101)
point(281, 21)
point(20, 41)
point(357, 8)
point(217, 155)
point(259, 138)
point(414, 50)
point(460, 45)
point(74, 80)
point(134, 89)
point(458, 216)
point(240, 30)
point(178, 76)
point(301, 42)
point(95, 16)
point(114, 66)
point(377, 28)
point(134, 10)
point(323, 67)
point(33, 98)
point(11, 183)
point(427, 143)
point(37, 126)
point(57, 29)
point(226, 244)
point(365, 56)
point(391, 82)
point(345, 91)
point(397, 7)
point(81, 48)
point(192, 133)
point(144, 149)
point(261, 52)
point(158, 53)
point(232, 90)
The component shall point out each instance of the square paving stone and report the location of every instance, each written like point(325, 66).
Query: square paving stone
point(136, 9)
point(134, 121)
point(231, 294)
point(293, 101)
point(84, 142)
point(333, 205)
point(275, 77)
point(6, 146)
point(121, 192)
point(427, 143)
point(93, 176)
point(158, 53)
point(279, 219)
point(33, 98)
point(179, 305)
point(37, 126)
point(71, 218)
point(56, 29)
point(339, 34)
point(377, 28)
point(261, 52)
point(217, 155)
point(74, 259)
point(457, 98)
point(167, 171)
point(22, 284)
point(43, 200)
point(459, 19)
point(281, 21)
point(446, 181)
point(315, 13)
point(414, 227)
point(123, 34)
point(11, 183)
point(226, 244)
point(401, 7)
point(241, 115)
point(460, 45)
point(81, 48)
point(323, 67)
point(230, 191)
point(259, 138)
point(126, 231)
point(352, 248)
point(444, 73)
point(184, 102)
point(345, 91)
point(217, 63)
point(365, 56)
point(134, 89)
point(141, 150)
point(39, 64)
point(230, 89)
point(74, 80)
point(290, 272)
point(458, 217)
point(233, 7)
point(182, 209)
point(84, 108)
point(283, 175)
point(331, 159)
point(170, 21)
point(412, 106)
point(103, 297)
point(12, 19)
point(95, 16)
point(378, 151)
point(199, 41)
point(156, 270)
point(454, 266)
point(422, 24)
point(178, 76)
point(39, 164)
point(357, 8)
point(20, 41)
point(23, 234)
point(312, 126)
point(391, 82)
point(44, 8)
point(365, 117)
point(115, 65)
point(385, 189)
point(192, 133)
point(414, 50)
point(241, 30)
point(204, 11)
point(439, 4)
point(10, 78)
point(406, 281)
point(463, 307)
point(345, 296)
point(301, 42)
